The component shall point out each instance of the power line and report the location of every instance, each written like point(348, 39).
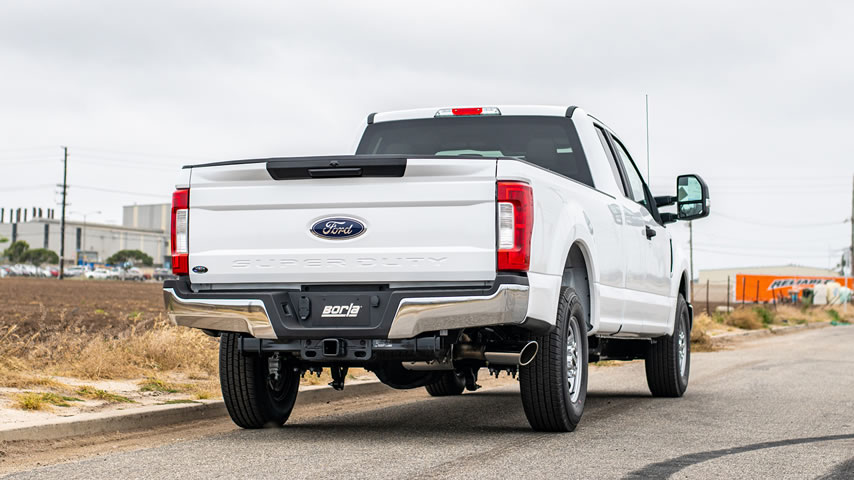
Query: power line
point(777, 225)
point(729, 253)
point(124, 192)
point(127, 165)
point(24, 149)
point(29, 187)
point(143, 154)
point(741, 240)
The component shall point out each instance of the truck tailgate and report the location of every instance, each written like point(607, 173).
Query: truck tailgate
point(435, 223)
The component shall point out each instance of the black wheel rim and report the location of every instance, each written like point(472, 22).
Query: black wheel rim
point(279, 388)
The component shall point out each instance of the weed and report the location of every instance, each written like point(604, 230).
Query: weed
point(834, 316)
point(765, 315)
point(152, 384)
point(606, 363)
point(177, 401)
point(42, 401)
point(93, 393)
point(100, 311)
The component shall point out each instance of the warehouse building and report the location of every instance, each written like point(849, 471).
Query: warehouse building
point(150, 217)
point(92, 242)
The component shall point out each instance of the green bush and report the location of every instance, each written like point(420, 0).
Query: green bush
point(38, 256)
point(123, 256)
point(834, 315)
point(17, 251)
point(767, 316)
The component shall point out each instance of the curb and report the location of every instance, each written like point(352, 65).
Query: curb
point(765, 332)
point(158, 415)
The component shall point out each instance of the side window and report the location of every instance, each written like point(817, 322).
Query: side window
point(635, 181)
point(611, 161)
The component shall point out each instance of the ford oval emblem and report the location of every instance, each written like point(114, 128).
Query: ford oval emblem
point(339, 228)
point(200, 269)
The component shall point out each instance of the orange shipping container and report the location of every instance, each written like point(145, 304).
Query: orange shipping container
point(764, 288)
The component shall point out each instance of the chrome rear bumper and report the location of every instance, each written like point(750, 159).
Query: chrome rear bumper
point(414, 315)
point(242, 316)
point(507, 306)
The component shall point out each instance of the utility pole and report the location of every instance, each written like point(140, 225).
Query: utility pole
point(62, 220)
point(691, 253)
point(851, 257)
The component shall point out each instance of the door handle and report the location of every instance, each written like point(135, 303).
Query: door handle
point(650, 232)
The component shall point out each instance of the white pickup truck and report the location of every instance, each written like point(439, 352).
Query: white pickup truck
point(514, 238)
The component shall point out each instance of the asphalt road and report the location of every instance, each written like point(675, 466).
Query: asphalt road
point(780, 407)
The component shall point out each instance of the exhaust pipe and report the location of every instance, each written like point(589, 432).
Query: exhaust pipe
point(522, 357)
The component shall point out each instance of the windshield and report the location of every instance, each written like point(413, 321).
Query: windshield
point(549, 142)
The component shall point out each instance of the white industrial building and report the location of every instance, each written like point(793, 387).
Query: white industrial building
point(145, 228)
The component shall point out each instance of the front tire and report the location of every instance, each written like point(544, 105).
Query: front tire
point(251, 398)
point(554, 384)
point(450, 383)
point(668, 360)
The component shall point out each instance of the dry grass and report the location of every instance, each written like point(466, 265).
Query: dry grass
point(701, 340)
point(133, 353)
point(21, 381)
point(42, 401)
point(744, 318)
point(607, 363)
point(794, 315)
point(763, 316)
point(326, 377)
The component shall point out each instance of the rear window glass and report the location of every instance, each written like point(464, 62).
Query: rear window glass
point(549, 142)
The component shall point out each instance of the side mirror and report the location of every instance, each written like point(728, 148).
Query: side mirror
point(692, 197)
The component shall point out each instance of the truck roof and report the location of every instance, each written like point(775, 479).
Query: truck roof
point(430, 112)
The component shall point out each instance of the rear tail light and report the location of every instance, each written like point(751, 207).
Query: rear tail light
point(452, 112)
point(515, 224)
point(180, 232)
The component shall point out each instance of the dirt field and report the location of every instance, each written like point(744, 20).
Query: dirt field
point(75, 346)
point(45, 305)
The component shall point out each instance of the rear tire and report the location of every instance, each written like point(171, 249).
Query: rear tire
point(668, 360)
point(252, 400)
point(451, 383)
point(554, 384)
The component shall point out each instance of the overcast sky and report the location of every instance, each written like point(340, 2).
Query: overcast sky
point(759, 100)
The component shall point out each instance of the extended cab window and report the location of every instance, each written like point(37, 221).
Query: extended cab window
point(549, 142)
point(611, 161)
point(635, 180)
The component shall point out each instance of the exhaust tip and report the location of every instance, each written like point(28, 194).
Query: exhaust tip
point(528, 353)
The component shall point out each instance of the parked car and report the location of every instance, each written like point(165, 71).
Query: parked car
point(74, 271)
point(131, 274)
point(101, 274)
point(47, 271)
point(24, 270)
point(516, 238)
point(161, 274)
